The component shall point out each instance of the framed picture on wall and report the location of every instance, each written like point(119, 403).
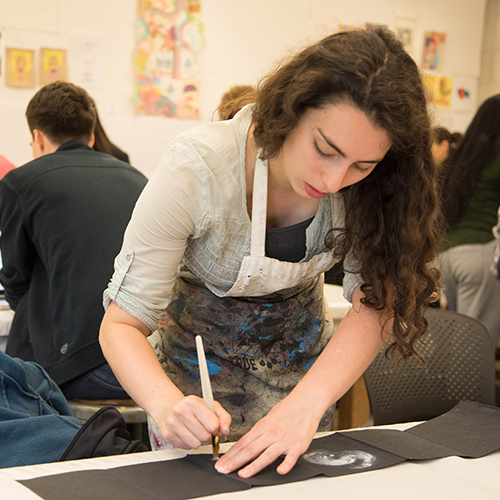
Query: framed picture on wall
point(53, 65)
point(19, 68)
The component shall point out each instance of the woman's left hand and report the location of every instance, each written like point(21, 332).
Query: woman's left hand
point(287, 429)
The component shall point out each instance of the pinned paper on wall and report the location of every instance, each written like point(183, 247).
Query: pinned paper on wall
point(87, 60)
point(19, 68)
point(53, 65)
point(404, 28)
point(433, 52)
point(169, 40)
point(464, 94)
point(438, 90)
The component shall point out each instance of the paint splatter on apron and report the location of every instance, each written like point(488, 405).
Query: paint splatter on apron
point(258, 344)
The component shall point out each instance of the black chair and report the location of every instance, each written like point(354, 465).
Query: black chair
point(459, 364)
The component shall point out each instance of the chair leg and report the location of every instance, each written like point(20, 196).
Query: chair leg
point(354, 407)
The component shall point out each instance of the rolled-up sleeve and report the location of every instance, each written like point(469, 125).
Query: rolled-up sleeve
point(156, 237)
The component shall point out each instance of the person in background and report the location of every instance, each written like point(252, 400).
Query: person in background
point(443, 141)
point(5, 166)
point(231, 237)
point(470, 197)
point(102, 144)
point(62, 218)
point(237, 97)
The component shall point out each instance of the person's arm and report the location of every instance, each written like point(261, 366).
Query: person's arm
point(18, 251)
point(184, 421)
point(289, 427)
point(145, 272)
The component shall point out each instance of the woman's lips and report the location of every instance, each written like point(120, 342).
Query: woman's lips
point(313, 193)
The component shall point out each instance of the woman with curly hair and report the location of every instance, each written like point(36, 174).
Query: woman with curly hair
point(232, 235)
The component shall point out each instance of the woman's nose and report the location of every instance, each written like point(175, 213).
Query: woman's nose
point(335, 177)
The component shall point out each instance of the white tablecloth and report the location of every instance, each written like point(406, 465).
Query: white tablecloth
point(6, 316)
point(450, 478)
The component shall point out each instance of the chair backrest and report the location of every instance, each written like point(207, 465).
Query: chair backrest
point(459, 364)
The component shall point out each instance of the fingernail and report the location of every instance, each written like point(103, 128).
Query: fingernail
point(221, 468)
point(244, 473)
point(225, 432)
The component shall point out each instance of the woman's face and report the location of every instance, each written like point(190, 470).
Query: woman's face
point(331, 148)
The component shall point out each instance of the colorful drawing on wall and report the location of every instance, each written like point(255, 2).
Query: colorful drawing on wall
point(169, 40)
point(438, 90)
point(19, 68)
point(444, 90)
point(433, 53)
point(464, 94)
point(53, 65)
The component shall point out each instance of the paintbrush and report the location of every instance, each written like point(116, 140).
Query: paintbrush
point(206, 389)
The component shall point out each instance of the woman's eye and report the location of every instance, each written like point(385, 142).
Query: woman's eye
point(360, 169)
point(324, 155)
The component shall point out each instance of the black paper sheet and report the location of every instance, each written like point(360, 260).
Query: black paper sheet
point(468, 430)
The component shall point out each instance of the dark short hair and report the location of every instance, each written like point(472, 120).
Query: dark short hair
point(62, 111)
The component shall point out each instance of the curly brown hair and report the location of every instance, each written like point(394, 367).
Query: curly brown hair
point(392, 216)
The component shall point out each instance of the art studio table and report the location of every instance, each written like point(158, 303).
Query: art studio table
point(450, 478)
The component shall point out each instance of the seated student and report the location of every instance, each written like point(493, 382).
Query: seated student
point(237, 97)
point(470, 198)
point(62, 219)
point(104, 145)
point(443, 142)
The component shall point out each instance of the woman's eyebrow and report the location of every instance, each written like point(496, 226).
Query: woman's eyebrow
point(339, 151)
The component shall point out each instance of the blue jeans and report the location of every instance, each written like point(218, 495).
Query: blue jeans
point(36, 424)
point(99, 383)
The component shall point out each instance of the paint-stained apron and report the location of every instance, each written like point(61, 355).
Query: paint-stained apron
point(260, 337)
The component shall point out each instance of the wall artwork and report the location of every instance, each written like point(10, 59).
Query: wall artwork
point(464, 94)
point(53, 65)
point(438, 90)
point(433, 52)
point(404, 28)
point(169, 40)
point(19, 68)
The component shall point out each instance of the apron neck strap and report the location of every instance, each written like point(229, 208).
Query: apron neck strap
point(259, 208)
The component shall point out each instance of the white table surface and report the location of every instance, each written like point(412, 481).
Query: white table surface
point(6, 316)
point(450, 478)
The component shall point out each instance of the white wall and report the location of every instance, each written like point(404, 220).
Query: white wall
point(243, 39)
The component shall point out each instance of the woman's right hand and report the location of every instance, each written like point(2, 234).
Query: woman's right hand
point(187, 423)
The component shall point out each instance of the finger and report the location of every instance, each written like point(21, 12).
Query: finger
point(208, 419)
point(224, 419)
point(261, 462)
point(240, 455)
point(286, 466)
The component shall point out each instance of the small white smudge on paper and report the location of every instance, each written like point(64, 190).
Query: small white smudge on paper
point(355, 459)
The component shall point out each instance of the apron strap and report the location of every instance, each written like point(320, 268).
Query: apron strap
point(259, 208)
